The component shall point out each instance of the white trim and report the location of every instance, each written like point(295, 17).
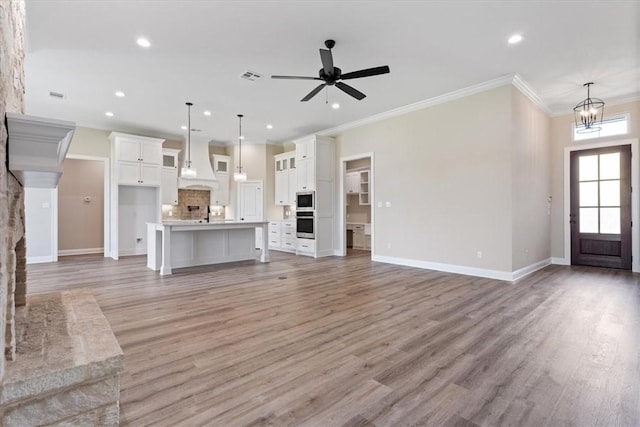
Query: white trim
point(635, 202)
point(132, 252)
point(467, 271)
point(512, 79)
point(342, 208)
point(527, 91)
point(107, 198)
point(85, 251)
point(560, 261)
point(40, 259)
point(54, 225)
point(525, 271)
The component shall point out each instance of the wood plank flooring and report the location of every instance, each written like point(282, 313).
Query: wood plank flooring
point(347, 341)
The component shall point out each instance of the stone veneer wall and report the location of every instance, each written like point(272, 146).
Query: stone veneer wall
point(188, 198)
point(12, 246)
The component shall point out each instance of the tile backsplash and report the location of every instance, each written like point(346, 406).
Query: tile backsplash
point(192, 204)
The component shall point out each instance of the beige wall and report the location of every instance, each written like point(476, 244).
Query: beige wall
point(530, 166)
point(90, 142)
point(560, 138)
point(81, 223)
point(446, 170)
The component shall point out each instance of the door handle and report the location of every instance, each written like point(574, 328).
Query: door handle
point(573, 221)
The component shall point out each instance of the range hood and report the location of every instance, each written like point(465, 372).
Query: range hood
point(37, 147)
point(201, 162)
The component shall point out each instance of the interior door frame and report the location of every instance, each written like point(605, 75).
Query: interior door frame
point(635, 200)
point(106, 204)
point(342, 204)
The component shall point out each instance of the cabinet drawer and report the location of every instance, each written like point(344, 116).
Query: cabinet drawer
point(274, 242)
point(291, 234)
point(289, 224)
point(274, 224)
point(358, 227)
point(287, 244)
point(307, 246)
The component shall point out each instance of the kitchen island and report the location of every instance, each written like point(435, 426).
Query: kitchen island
point(177, 244)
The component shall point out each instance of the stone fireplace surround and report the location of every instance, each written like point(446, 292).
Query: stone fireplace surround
point(61, 363)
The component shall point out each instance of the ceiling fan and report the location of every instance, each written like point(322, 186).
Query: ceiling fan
point(332, 76)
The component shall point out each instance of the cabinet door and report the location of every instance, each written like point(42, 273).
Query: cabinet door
point(128, 150)
point(282, 188)
point(151, 153)
point(305, 149)
point(129, 173)
point(169, 186)
point(150, 175)
point(306, 175)
point(220, 164)
point(220, 196)
point(353, 183)
point(293, 185)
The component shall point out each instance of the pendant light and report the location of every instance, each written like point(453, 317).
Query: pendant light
point(187, 171)
point(588, 114)
point(240, 176)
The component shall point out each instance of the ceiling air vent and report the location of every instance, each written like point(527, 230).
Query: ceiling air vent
point(56, 95)
point(251, 76)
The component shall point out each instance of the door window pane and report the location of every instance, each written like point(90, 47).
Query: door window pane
point(609, 220)
point(609, 193)
point(588, 220)
point(610, 166)
point(588, 168)
point(588, 194)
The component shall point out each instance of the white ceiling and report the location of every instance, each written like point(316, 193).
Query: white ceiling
point(87, 50)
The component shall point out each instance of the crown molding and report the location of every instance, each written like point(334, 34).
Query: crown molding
point(509, 79)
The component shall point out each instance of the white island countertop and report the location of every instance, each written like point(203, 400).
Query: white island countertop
point(186, 243)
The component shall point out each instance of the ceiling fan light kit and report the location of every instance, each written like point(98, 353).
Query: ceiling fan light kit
point(588, 113)
point(332, 76)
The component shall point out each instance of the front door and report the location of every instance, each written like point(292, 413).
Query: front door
point(601, 207)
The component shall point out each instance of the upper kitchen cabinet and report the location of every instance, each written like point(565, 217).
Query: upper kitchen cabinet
point(169, 180)
point(285, 178)
point(137, 160)
point(221, 167)
point(353, 183)
point(314, 161)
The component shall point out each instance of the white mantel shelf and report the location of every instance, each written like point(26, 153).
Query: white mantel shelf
point(37, 147)
point(177, 244)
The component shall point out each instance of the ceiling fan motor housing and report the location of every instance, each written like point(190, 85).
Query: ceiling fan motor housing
point(330, 78)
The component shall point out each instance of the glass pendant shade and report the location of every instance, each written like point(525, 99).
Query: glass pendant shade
point(240, 176)
point(187, 171)
point(588, 114)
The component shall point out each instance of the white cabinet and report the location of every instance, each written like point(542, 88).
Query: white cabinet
point(138, 160)
point(169, 177)
point(282, 235)
point(353, 183)
point(363, 191)
point(306, 175)
point(221, 166)
point(285, 178)
point(305, 149)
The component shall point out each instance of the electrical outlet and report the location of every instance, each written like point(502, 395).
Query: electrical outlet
point(138, 239)
point(479, 254)
point(388, 245)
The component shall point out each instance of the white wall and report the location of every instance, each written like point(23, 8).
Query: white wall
point(137, 206)
point(41, 224)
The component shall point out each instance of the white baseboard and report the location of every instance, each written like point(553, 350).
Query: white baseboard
point(469, 271)
point(560, 261)
point(39, 259)
point(525, 271)
point(85, 251)
point(130, 252)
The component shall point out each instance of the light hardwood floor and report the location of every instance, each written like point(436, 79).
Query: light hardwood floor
point(347, 341)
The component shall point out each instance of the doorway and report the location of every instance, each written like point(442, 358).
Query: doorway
point(356, 227)
point(600, 207)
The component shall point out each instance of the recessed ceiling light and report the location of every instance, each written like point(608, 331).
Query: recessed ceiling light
point(516, 38)
point(143, 42)
point(183, 127)
point(335, 105)
point(269, 126)
point(120, 94)
point(241, 136)
point(108, 114)
point(207, 113)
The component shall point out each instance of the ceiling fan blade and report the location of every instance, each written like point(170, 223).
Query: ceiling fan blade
point(366, 73)
point(350, 91)
point(327, 61)
point(296, 78)
point(313, 93)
